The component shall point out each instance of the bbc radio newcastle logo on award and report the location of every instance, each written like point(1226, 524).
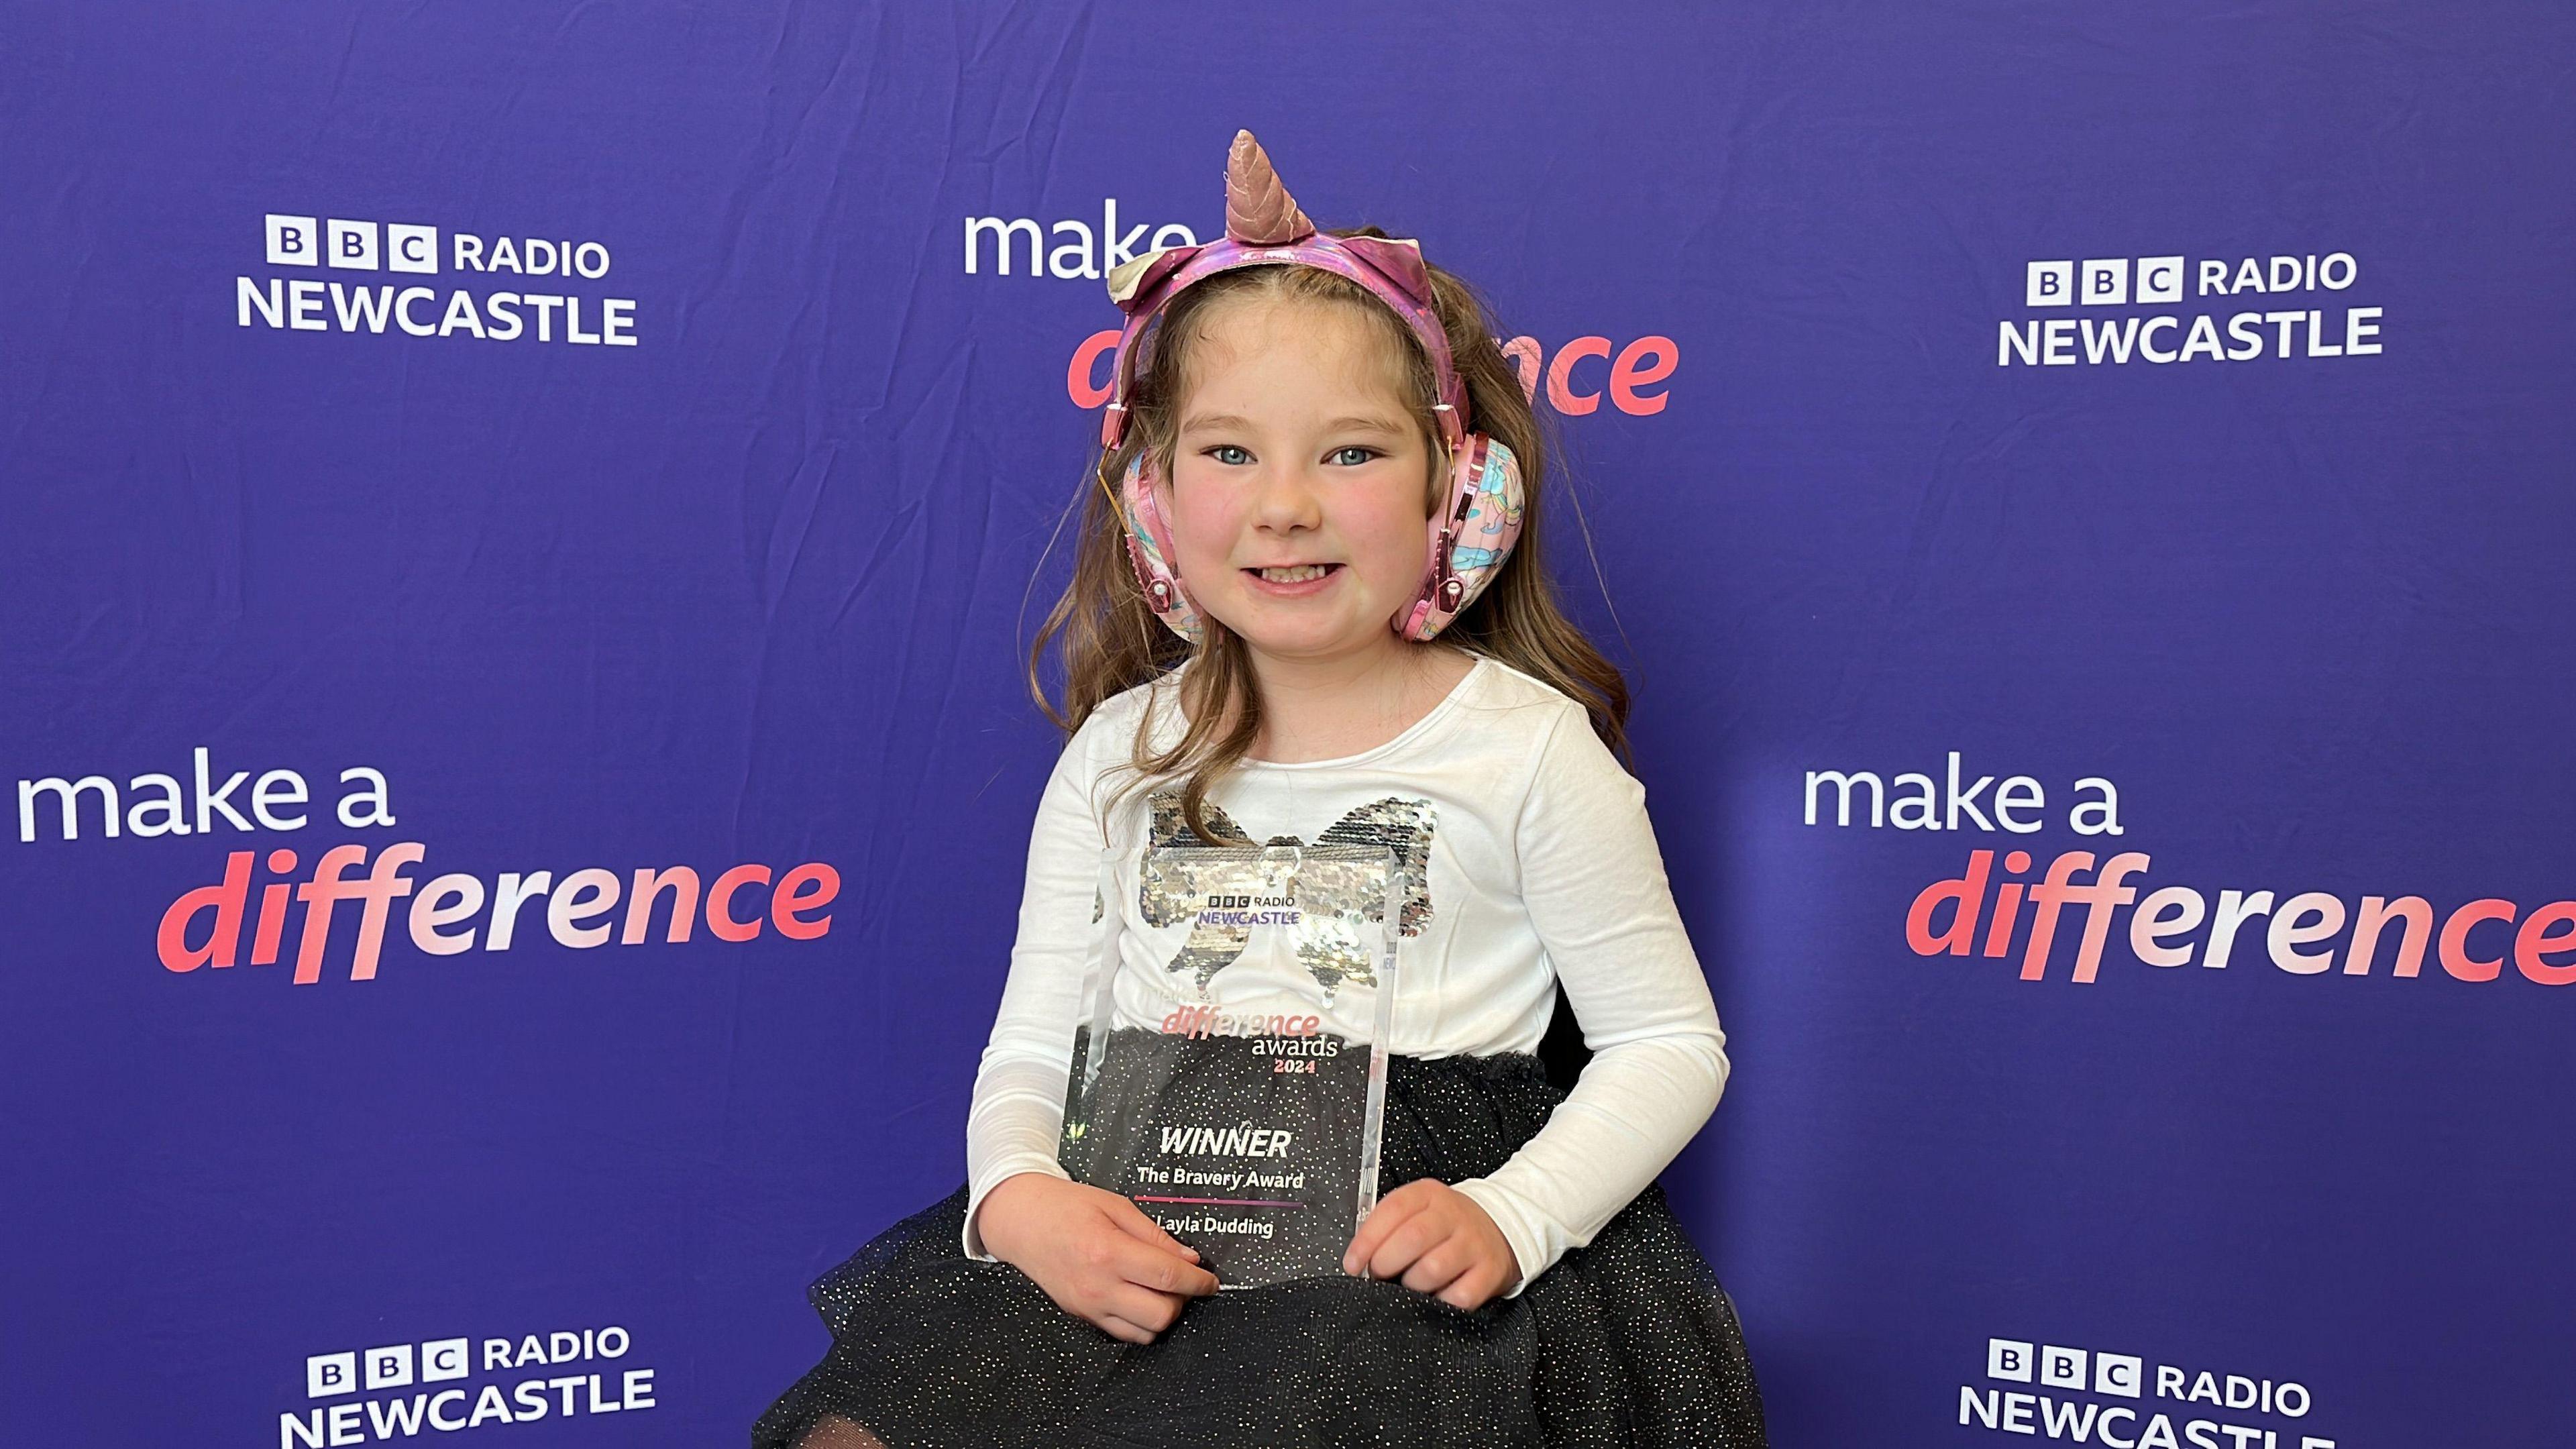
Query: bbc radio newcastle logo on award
point(411, 279)
point(2158, 310)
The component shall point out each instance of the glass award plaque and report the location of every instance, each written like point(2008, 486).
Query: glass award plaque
point(1229, 1064)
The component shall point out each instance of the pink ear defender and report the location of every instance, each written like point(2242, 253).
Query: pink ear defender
point(1480, 519)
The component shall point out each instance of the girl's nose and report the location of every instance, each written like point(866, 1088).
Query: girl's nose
point(1288, 499)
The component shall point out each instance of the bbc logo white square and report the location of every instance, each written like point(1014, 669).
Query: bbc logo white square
point(293, 241)
point(354, 246)
point(2102, 282)
point(389, 1367)
point(2160, 279)
point(326, 1374)
point(411, 248)
point(2020, 1361)
point(444, 1358)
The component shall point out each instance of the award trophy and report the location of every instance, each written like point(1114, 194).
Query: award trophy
point(1232, 1083)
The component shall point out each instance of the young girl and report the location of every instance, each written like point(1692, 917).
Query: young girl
point(1297, 615)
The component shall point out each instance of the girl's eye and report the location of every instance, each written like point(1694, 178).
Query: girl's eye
point(1365, 454)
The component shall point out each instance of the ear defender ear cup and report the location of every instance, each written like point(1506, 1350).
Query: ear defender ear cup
point(1149, 552)
point(1470, 537)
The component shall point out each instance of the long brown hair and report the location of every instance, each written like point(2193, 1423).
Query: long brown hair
point(1111, 640)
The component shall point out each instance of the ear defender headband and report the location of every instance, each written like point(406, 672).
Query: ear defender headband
point(1471, 534)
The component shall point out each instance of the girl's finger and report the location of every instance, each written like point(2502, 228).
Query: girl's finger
point(1415, 1236)
point(1469, 1292)
point(1437, 1269)
point(1142, 1308)
point(1120, 1329)
point(1392, 1212)
point(1155, 1267)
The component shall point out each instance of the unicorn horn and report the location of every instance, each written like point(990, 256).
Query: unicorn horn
point(1258, 210)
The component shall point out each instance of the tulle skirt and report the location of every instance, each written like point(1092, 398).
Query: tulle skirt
point(1628, 1341)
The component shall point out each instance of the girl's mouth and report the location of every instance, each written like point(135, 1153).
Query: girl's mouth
point(1295, 580)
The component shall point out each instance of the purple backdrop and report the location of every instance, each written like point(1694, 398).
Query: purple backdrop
point(668, 490)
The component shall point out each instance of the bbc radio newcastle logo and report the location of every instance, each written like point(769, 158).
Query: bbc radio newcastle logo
point(2126, 1401)
point(362, 1396)
point(344, 275)
point(2114, 311)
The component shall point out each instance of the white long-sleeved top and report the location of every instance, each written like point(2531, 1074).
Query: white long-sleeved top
point(1541, 866)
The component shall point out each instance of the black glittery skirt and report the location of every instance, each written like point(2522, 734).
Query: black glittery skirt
point(1628, 1341)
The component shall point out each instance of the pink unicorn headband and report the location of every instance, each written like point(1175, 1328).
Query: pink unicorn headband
point(1263, 226)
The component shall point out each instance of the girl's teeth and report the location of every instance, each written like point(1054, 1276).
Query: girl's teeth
point(1299, 574)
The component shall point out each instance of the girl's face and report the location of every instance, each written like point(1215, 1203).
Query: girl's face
point(1299, 501)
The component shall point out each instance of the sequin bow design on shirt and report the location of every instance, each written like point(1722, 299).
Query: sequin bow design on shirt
point(1337, 898)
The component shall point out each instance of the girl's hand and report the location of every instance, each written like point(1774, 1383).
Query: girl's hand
point(1094, 1252)
point(1439, 1240)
